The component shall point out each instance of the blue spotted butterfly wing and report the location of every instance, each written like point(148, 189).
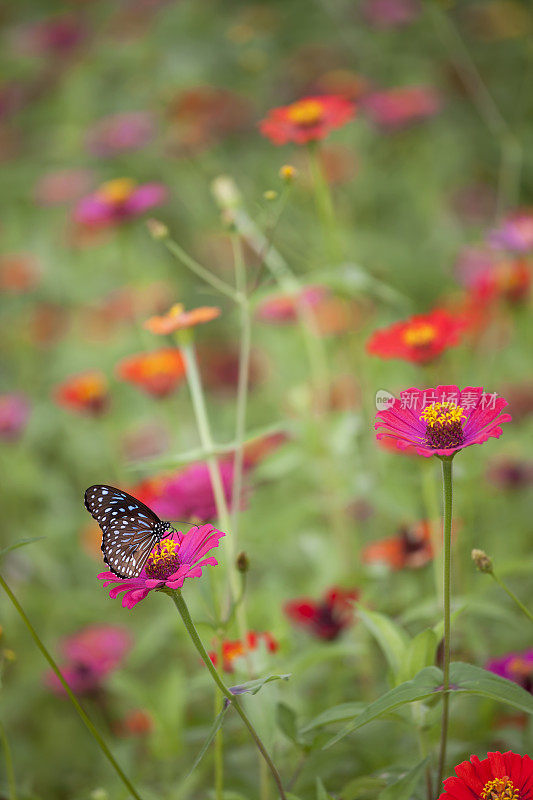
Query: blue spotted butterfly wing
point(130, 529)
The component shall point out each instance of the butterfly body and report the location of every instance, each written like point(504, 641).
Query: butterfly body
point(130, 529)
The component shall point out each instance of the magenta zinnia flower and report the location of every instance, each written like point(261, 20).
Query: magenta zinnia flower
point(14, 414)
point(91, 655)
point(442, 421)
point(516, 667)
point(171, 561)
point(118, 201)
point(515, 233)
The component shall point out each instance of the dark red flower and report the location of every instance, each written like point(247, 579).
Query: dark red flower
point(420, 338)
point(325, 618)
point(411, 547)
point(86, 393)
point(500, 776)
point(307, 120)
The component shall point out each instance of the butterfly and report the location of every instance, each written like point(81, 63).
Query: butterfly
point(130, 529)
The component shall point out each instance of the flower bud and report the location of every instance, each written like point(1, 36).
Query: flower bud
point(158, 230)
point(270, 194)
point(482, 561)
point(288, 173)
point(242, 563)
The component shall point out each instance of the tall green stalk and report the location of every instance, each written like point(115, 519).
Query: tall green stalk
point(447, 486)
point(10, 772)
point(193, 633)
point(85, 719)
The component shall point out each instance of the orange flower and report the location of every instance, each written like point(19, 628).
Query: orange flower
point(232, 650)
point(177, 318)
point(410, 548)
point(158, 372)
point(85, 393)
point(19, 273)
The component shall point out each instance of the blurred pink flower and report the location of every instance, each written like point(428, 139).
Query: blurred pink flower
point(91, 655)
point(515, 233)
point(517, 667)
point(174, 559)
point(117, 201)
point(62, 186)
point(492, 275)
point(396, 109)
point(187, 495)
point(390, 13)
point(281, 308)
point(14, 414)
point(510, 474)
point(120, 133)
point(55, 36)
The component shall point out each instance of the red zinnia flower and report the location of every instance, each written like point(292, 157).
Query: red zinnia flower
point(85, 393)
point(307, 120)
point(500, 776)
point(410, 548)
point(158, 372)
point(232, 650)
point(419, 339)
point(282, 308)
point(325, 618)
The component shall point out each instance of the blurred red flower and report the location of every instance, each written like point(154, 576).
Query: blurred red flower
point(219, 366)
point(308, 120)
point(158, 372)
point(491, 276)
point(282, 308)
point(500, 776)
point(233, 650)
point(177, 319)
point(410, 548)
point(62, 186)
point(419, 339)
point(204, 115)
point(136, 723)
point(91, 655)
point(86, 393)
point(326, 618)
point(510, 474)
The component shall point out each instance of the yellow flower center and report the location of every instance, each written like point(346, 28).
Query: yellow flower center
point(163, 561)
point(306, 112)
point(419, 335)
point(500, 789)
point(444, 425)
point(158, 364)
point(442, 414)
point(91, 388)
point(117, 191)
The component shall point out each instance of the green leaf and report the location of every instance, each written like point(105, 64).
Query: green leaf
point(20, 543)
point(252, 687)
point(469, 679)
point(391, 638)
point(404, 788)
point(215, 727)
point(321, 793)
point(420, 653)
point(424, 685)
point(367, 787)
point(286, 717)
point(340, 713)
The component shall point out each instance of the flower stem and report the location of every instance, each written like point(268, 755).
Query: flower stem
point(447, 538)
point(209, 277)
point(324, 202)
point(193, 633)
point(206, 438)
point(9, 764)
point(219, 738)
point(86, 720)
point(513, 597)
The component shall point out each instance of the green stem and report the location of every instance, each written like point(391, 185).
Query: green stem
point(432, 510)
point(219, 738)
point(87, 722)
point(202, 272)
point(193, 633)
point(206, 438)
point(324, 203)
point(9, 764)
point(447, 486)
point(513, 597)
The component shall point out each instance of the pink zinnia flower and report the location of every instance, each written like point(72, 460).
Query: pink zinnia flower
point(174, 559)
point(118, 201)
point(395, 109)
point(515, 233)
point(121, 133)
point(14, 413)
point(91, 655)
point(442, 421)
